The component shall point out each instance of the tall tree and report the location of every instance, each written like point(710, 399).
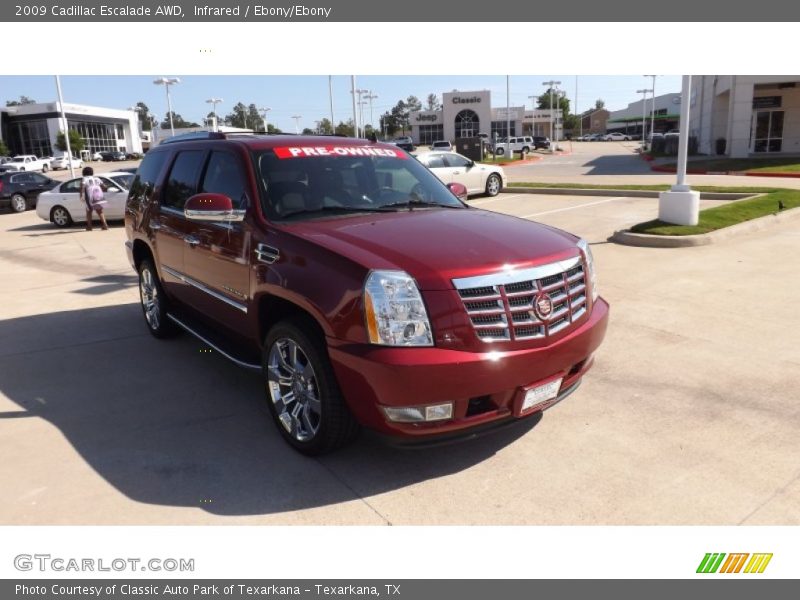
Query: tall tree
point(238, 118)
point(399, 114)
point(76, 143)
point(4, 151)
point(346, 129)
point(325, 126)
point(432, 102)
point(177, 121)
point(144, 116)
point(22, 100)
point(413, 104)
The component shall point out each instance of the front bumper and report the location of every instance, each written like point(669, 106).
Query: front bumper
point(484, 387)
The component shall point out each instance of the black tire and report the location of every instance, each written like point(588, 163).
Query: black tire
point(60, 217)
point(306, 404)
point(154, 302)
point(19, 203)
point(500, 151)
point(493, 185)
point(45, 168)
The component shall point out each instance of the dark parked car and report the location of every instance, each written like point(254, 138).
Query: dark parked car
point(19, 191)
point(541, 142)
point(112, 156)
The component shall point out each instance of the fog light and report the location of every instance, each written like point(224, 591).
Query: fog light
point(439, 412)
point(419, 414)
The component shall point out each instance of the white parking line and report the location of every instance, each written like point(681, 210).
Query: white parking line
point(498, 197)
point(548, 212)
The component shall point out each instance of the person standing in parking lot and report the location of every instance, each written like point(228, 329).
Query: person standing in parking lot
point(92, 190)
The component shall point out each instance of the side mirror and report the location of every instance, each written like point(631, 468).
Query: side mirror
point(470, 164)
point(212, 207)
point(459, 190)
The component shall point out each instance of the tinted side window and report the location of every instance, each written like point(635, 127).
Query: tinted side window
point(72, 186)
point(182, 180)
point(147, 175)
point(37, 178)
point(454, 160)
point(435, 162)
point(225, 175)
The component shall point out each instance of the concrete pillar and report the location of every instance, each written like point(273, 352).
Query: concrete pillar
point(740, 114)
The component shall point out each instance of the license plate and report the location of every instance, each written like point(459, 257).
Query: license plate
point(541, 394)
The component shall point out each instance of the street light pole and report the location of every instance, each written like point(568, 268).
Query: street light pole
point(166, 82)
point(330, 97)
point(371, 97)
point(66, 126)
point(653, 111)
point(355, 111)
point(644, 93)
point(213, 102)
point(680, 205)
point(297, 123)
point(550, 85)
point(264, 110)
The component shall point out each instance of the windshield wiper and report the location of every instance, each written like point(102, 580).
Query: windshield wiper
point(411, 203)
point(323, 209)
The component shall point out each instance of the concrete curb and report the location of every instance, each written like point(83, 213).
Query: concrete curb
point(631, 193)
point(628, 238)
point(690, 171)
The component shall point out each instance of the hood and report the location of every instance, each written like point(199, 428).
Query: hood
point(437, 245)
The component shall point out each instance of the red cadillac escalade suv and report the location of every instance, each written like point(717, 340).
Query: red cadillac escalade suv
point(364, 289)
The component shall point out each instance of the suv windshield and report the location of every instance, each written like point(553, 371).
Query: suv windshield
point(306, 183)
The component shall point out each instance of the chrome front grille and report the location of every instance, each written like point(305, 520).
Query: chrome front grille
point(502, 306)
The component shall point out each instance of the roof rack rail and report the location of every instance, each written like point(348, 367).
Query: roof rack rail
point(195, 135)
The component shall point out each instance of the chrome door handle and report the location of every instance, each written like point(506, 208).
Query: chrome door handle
point(191, 240)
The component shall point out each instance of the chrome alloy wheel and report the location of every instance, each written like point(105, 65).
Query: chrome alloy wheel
point(493, 185)
point(294, 389)
point(149, 294)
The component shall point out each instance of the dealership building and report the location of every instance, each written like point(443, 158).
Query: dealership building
point(744, 115)
point(466, 114)
point(667, 109)
point(33, 128)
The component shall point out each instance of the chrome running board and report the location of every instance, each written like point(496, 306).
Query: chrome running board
point(214, 346)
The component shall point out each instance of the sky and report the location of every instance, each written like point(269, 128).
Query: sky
point(307, 95)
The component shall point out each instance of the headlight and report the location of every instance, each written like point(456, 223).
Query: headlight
point(394, 312)
point(587, 253)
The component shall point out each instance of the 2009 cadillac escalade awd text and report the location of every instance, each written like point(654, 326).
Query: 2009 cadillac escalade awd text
point(365, 291)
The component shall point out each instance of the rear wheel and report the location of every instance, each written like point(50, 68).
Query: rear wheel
point(304, 396)
point(154, 302)
point(500, 151)
point(60, 216)
point(19, 203)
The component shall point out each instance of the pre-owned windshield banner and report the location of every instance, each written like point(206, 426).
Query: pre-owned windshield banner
point(463, 11)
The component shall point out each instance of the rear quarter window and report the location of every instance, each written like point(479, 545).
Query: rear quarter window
point(147, 176)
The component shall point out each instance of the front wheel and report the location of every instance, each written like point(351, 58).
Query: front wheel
point(19, 203)
point(45, 168)
point(304, 396)
point(493, 185)
point(154, 302)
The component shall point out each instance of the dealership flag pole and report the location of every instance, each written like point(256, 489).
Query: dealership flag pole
point(330, 97)
point(680, 205)
point(355, 111)
point(508, 117)
point(66, 126)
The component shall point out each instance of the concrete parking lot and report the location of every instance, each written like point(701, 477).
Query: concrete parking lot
point(690, 415)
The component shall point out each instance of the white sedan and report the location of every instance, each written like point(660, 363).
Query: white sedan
point(616, 137)
point(63, 206)
point(478, 178)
